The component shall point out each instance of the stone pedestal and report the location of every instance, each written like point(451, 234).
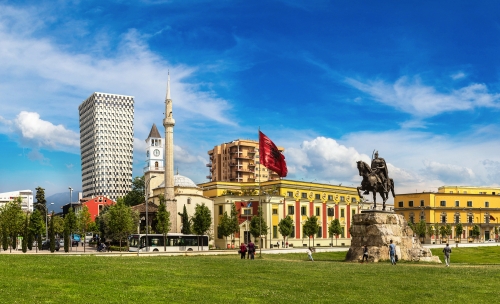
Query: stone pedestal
point(375, 229)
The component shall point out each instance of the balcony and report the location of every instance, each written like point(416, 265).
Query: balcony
point(147, 168)
point(245, 170)
point(209, 177)
point(244, 157)
point(251, 164)
point(232, 164)
point(251, 151)
point(209, 165)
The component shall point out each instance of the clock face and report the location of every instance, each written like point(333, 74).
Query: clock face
point(156, 152)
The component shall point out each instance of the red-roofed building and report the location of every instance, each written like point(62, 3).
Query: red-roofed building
point(95, 205)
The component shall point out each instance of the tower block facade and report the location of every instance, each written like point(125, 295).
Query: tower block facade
point(168, 123)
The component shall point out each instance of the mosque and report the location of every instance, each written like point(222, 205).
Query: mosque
point(178, 190)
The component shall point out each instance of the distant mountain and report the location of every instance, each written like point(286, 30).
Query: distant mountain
point(59, 200)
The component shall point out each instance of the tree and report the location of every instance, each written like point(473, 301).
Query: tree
point(186, 221)
point(421, 229)
point(202, 220)
point(311, 228)
point(459, 229)
point(430, 231)
point(235, 225)
point(445, 231)
point(84, 219)
point(436, 230)
point(25, 234)
point(258, 226)
point(496, 232)
point(285, 227)
point(58, 225)
point(163, 220)
point(52, 234)
point(120, 221)
point(70, 224)
point(136, 196)
point(475, 231)
point(41, 203)
point(224, 227)
point(13, 221)
point(335, 229)
point(36, 227)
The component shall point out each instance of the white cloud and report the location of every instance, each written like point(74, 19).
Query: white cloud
point(37, 133)
point(448, 172)
point(417, 99)
point(458, 75)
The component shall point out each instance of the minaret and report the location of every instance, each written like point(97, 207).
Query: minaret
point(168, 123)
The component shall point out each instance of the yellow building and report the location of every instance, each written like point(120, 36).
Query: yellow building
point(468, 206)
point(279, 199)
point(238, 161)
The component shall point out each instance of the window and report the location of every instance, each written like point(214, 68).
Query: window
point(412, 218)
point(421, 203)
point(317, 196)
point(319, 232)
point(289, 194)
point(220, 210)
point(290, 210)
point(400, 204)
point(469, 203)
point(246, 211)
point(342, 198)
point(442, 203)
point(354, 200)
point(457, 218)
point(317, 211)
point(330, 197)
point(303, 210)
point(410, 204)
point(470, 219)
point(486, 204)
point(342, 212)
point(422, 216)
point(304, 195)
point(457, 204)
point(331, 211)
point(275, 211)
point(275, 232)
point(443, 219)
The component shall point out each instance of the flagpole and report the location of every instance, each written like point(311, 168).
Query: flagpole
point(260, 206)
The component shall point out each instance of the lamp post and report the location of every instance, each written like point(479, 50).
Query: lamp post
point(147, 203)
point(46, 216)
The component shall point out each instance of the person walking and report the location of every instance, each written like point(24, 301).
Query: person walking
point(243, 250)
point(447, 252)
point(251, 250)
point(309, 253)
point(365, 254)
point(392, 252)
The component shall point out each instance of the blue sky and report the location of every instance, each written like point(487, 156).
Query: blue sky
point(328, 80)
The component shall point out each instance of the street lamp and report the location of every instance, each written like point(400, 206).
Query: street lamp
point(147, 203)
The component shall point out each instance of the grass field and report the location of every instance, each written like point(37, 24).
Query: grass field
point(283, 278)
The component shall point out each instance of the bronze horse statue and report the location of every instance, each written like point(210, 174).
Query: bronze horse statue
point(372, 183)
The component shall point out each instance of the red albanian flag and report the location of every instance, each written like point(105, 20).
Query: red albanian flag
point(270, 156)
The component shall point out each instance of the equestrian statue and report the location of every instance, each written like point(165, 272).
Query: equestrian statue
point(375, 179)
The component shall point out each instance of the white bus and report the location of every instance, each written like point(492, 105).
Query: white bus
point(174, 242)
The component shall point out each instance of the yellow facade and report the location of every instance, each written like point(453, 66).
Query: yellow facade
point(281, 198)
point(469, 206)
point(238, 161)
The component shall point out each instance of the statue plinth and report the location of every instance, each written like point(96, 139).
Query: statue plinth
point(375, 229)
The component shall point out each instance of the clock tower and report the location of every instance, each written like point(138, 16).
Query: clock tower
point(154, 159)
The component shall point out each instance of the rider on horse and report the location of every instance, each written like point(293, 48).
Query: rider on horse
point(379, 168)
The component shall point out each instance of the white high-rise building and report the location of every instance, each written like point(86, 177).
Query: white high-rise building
point(106, 144)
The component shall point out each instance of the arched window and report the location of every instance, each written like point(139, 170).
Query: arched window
point(422, 216)
point(156, 165)
point(457, 217)
point(189, 200)
point(412, 218)
point(443, 217)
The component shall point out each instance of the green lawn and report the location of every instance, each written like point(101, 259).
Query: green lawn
point(284, 278)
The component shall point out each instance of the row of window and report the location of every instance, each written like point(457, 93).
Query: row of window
point(291, 211)
point(317, 196)
point(275, 233)
point(456, 218)
point(441, 204)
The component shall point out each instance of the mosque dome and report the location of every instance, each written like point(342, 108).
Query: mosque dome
point(182, 181)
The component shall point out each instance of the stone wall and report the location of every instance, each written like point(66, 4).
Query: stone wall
point(375, 229)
